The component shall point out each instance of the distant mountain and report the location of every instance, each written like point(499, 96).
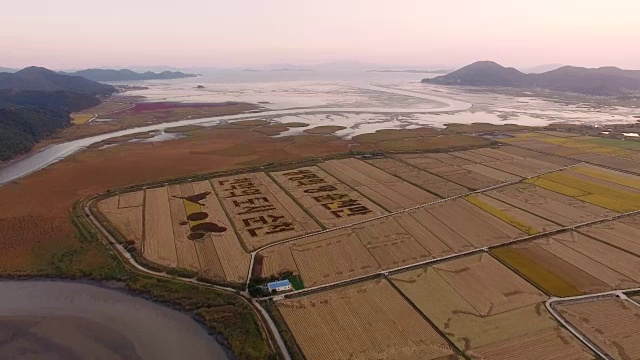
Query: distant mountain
point(128, 75)
point(605, 81)
point(542, 68)
point(7, 70)
point(41, 79)
point(36, 102)
point(409, 71)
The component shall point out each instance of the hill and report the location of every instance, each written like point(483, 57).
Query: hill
point(41, 79)
point(604, 81)
point(128, 75)
point(7, 70)
point(542, 68)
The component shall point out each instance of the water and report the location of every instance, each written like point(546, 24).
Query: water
point(60, 151)
point(362, 102)
point(55, 319)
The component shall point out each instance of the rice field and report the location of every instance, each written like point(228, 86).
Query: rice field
point(327, 199)
point(612, 324)
point(363, 321)
point(262, 213)
point(386, 190)
point(127, 220)
point(484, 308)
point(159, 246)
point(432, 183)
point(549, 205)
point(614, 153)
point(520, 219)
point(622, 233)
point(451, 168)
point(614, 191)
point(572, 264)
point(332, 257)
point(388, 243)
point(184, 227)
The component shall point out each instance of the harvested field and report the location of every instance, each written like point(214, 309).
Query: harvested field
point(277, 260)
point(390, 192)
point(364, 321)
point(131, 199)
point(225, 246)
point(612, 324)
point(128, 220)
point(471, 223)
point(476, 301)
point(159, 246)
point(451, 168)
point(390, 244)
point(185, 248)
point(327, 199)
point(521, 220)
point(620, 233)
point(620, 261)
point(184, 227)
point(549, 344)
point(261, 212)
point(331, 257)
point(549, 205)
point(432, 183)
point(500, 176)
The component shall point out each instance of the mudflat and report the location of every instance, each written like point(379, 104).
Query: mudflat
point(65, 320)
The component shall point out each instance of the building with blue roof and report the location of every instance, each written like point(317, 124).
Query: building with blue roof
point(282, 285)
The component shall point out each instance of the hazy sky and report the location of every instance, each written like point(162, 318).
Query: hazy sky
point(239, 33)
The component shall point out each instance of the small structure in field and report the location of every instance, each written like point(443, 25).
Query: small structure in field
point(278, 286)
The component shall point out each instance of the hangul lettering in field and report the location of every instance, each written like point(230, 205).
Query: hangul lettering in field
point(261, 212)
point(329, 200)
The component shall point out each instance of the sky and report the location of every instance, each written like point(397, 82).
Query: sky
point(66, 34)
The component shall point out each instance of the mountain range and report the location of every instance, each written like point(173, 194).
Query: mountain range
point(128, 75)
point(603, 81)
point(36, 102)
point(41, 79)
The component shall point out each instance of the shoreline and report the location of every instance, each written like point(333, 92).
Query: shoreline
point(123, 288)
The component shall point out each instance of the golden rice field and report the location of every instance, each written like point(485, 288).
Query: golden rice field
point(81, 118)
point(262, 213)
point(550, 205)
point(484, 308)
point(364, 321)
point(613, 153)
point(612, 324)
point(572, 264)
point(618, 192)
point(520, 219)
point(390, 192)
point(327, 199)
